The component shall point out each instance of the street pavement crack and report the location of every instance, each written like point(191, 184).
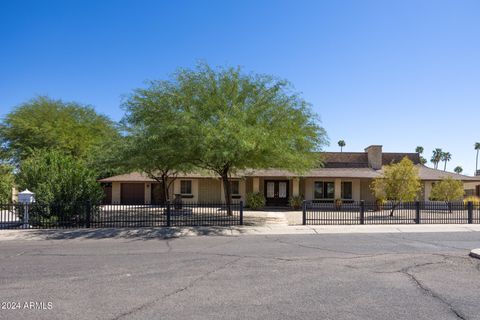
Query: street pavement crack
point(406, 271)
point(432, 294)
point(182, 289)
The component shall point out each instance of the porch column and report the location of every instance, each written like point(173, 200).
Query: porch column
point(256, 184)
point(116, 192)
point(338, 188)
point(295, 187)
point(148, 194)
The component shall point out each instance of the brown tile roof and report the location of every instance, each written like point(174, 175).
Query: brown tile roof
point(345, 159)
point(427, 173)
point(142, 177)
point(389, 157)
point(360, 159)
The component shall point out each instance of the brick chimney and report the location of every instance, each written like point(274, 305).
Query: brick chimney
point(374, 156)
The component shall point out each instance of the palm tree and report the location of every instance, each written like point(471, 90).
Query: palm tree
point(341, 144)
point(446, 156)
point(458, 169)
point(436, 157)
point(477, 147)
point(420, 150)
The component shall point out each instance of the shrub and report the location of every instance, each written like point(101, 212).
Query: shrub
point(474, 199)
point(6, 183)
point(447, 190)
point(255, 200)
point(59, 182)
point(295, 202)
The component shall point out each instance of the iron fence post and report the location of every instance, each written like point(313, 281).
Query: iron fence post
point(470, 212)
point(26, 216)
point(168, 213)
point(304, 212)
point(362, 211)
point(417, 212)
point(88, 214)
point(241, 213)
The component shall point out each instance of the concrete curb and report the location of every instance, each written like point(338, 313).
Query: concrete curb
point(475, 253)
point(175, 232)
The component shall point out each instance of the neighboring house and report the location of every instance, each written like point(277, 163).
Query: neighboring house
point(345, 175)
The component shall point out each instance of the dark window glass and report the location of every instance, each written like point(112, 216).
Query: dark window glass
point(318, 190)
point(186, 187)
point(235, 187)
point(330, 188)
point(324, 190)
point(347, 190)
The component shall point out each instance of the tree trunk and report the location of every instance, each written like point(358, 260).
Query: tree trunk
point(476, 164)
point(449, 206)
point(445, 166)
point(166, 196)
point(227, 192)
point(395, 204)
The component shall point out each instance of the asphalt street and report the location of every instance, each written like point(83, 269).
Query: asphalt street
point(325, 276)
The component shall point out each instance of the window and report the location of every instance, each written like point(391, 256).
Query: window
point(324, 190)
point(347, 190)
point(186, 186)
point(235, 187)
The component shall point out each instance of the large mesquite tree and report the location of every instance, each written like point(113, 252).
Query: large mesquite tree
point(224, 120)
point(158, 138)
point(71, 128)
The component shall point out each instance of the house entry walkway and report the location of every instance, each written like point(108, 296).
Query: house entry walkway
point(266, 218)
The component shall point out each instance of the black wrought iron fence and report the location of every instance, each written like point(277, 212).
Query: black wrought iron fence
point(361, 212)
point(87, 215)
point(476, 212)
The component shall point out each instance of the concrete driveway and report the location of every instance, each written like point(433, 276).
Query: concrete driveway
point(316, 276)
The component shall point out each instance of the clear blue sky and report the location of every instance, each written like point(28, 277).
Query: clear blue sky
point(396, 73)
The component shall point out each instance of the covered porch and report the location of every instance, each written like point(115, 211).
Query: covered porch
point(278, 190)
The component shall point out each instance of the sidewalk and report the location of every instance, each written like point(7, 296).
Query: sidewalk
point(271, 229)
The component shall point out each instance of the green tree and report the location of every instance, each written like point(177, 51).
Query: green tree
point(237, 121)
point(159, 138)
point(44, 123)
point(341, 144)
point(57, 178)
point(420, 150)
point(477, 147)
point(458, 169)
point(436, 157)
point(399, 183)
point(6, 183)
point(448, 190)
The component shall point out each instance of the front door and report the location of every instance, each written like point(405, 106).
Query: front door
point(276, 193)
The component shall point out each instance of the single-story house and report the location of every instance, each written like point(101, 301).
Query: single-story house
point(345, 175)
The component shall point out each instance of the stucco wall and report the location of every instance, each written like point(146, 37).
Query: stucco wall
point(209, 190)
point(365, 191)
point(176, 189)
